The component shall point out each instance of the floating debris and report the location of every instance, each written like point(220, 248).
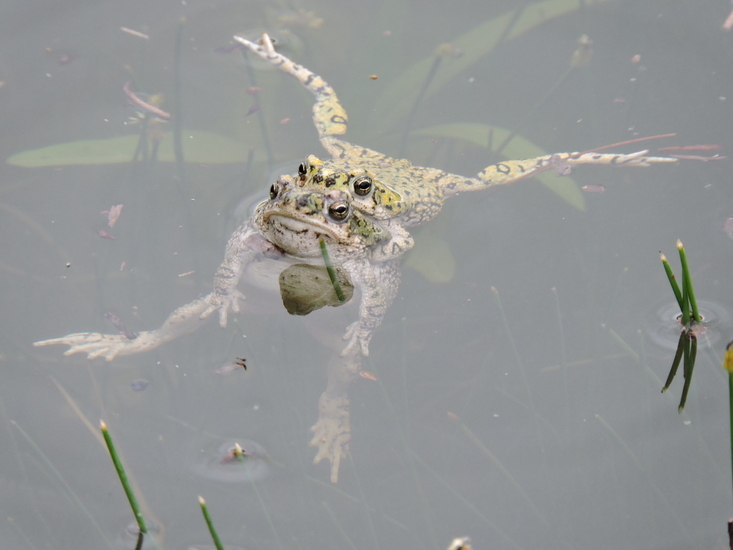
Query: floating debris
point(160, 113)
point(234, 461)
point(593, 188)
point(135, 33)
point(113, 214)
point(139, 385)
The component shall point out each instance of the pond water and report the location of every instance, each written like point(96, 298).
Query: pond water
point(518, 374)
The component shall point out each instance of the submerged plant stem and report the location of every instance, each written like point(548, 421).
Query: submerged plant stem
point(675, 363)
point(485, 450)
point(69, 491)
point(690, 353)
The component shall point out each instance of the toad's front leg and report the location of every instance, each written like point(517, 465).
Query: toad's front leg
point(244, 246)
point(378, 284)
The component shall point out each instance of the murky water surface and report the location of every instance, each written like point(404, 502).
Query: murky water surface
point(518, 375)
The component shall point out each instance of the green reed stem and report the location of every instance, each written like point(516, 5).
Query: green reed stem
point(687, 282)
point(686, 306)
point(137, 512)
point(331, 272)
point(728, 366)
point(210, 524)
point(730, 423)
point(672, 281)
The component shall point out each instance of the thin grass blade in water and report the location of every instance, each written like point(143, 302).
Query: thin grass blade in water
point(687, 282)
point(210, 524)
point(672, 280)
point(137, 512)
point(332, 272)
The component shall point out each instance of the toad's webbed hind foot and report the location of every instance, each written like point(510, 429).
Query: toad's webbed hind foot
point(332, 432)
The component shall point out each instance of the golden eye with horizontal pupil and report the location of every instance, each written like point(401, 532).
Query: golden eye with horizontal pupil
point(274, 190)
point(362, 185)
point(339, 210)
point(302, 169)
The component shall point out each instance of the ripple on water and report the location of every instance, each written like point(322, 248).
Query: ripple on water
point(663, 326)
point(127, 540)
point(216, 460)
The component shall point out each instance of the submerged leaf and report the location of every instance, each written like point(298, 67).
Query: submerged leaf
point(305, 288)
point(199, 147)
point(518, 148)
point(432, 257)
point(474, 44)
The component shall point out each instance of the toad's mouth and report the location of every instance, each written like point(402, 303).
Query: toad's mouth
point(297, 236)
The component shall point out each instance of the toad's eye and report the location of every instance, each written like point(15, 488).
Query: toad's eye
point(274, 190)
point(302, 169)
point(339, 210)
point(362, 185)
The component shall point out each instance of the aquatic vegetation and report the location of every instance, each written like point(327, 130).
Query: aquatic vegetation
point(690, 323)
point(198, 147)
point(136, 510)
point(210, 524)
point(331, 272)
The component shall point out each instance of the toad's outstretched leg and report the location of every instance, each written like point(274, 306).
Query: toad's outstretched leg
point(328, 114)
point(511, 171)
point(331, 122)
point(183, 320)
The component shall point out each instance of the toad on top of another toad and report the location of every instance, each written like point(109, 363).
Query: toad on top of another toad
point(361, 203)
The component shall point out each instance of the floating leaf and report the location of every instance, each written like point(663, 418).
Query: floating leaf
point(474, 44)
point(518, 148)
point(199, 147)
